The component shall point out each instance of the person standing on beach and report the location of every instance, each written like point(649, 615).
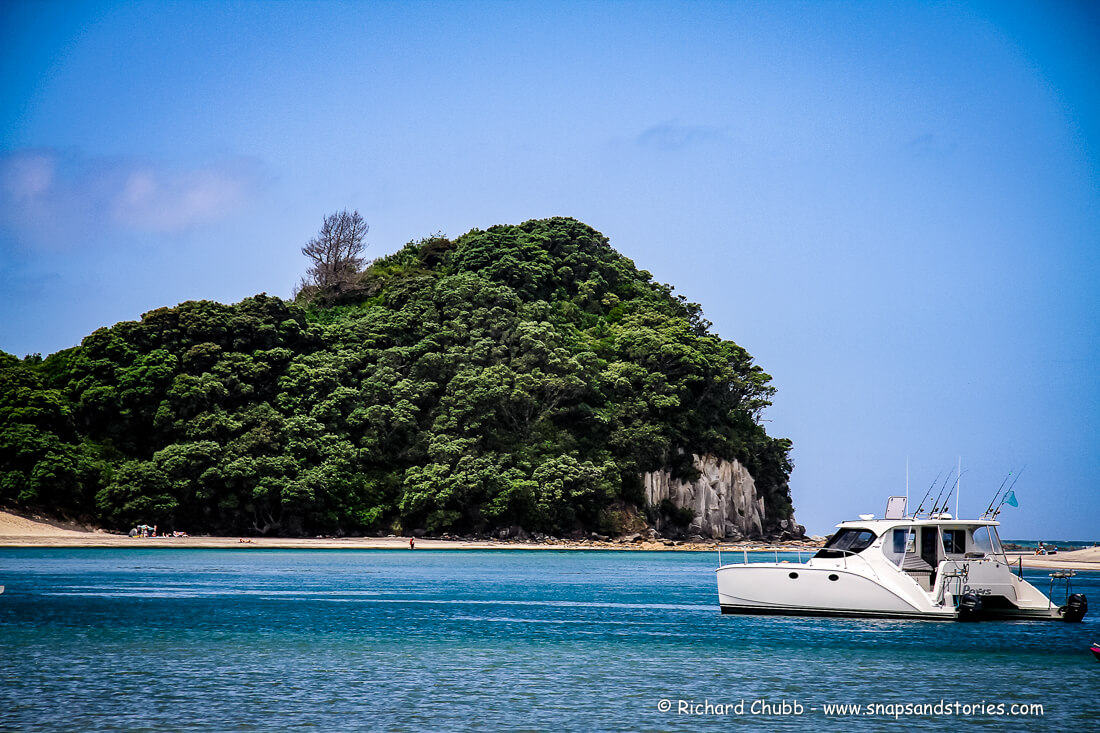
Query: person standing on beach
point(412, 543)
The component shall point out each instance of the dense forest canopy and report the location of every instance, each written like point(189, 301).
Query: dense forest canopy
point(522, 375)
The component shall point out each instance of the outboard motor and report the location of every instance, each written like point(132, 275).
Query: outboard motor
point(1076, 607)
point(970, 605)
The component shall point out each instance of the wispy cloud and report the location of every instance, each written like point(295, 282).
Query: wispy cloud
point(672, 136)
point(48, 196)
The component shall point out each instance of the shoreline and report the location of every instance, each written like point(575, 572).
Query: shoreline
point(21, 530)
point(106, 540)
point(18, 531)
point(1084, 560)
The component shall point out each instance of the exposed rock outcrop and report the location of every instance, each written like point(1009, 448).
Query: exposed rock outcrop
point(723, 498)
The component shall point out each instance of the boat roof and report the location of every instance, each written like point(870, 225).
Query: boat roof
point(881, 525)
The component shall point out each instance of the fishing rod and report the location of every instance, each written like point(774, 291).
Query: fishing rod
point(936, 506)
point(926, 494)
point(989, 508)
point(947, 499)
point(1008, 492)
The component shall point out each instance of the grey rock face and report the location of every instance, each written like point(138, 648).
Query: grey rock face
point(723, 498)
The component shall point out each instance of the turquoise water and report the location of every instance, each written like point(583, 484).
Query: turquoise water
point(255, 640)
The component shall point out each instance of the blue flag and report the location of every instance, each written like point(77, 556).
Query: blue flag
point(1011, 499)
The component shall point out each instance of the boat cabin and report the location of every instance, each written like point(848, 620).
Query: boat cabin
point(916, 546)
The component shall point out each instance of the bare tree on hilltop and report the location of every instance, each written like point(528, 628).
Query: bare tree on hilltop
point(335, 251)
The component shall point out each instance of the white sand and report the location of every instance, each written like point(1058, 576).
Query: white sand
point(20, 531)
point(1086, 559)
point(14, 525)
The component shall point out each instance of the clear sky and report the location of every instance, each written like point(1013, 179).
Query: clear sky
point(895, 207)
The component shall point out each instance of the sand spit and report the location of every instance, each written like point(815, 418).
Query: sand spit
point(1086, 559)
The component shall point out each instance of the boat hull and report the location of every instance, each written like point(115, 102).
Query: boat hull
point(729, 610)
point(787, 589)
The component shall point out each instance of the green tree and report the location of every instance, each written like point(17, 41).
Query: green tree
point(521, 375)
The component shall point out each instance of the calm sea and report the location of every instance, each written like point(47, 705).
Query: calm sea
point(255, 640)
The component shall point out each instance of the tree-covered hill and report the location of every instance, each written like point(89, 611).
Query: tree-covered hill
point(522, 375)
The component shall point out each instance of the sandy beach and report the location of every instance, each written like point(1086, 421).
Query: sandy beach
point(28, 531)
point(22, 531)
point(1086, 559)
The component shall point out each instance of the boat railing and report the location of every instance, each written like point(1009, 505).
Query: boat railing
point(1065, 575)
point(802, 555)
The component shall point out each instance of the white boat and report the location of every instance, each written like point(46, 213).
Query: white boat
point(903, 567)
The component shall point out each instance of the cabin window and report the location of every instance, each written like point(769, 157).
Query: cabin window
point(900, 542)
point(847, 542)
point(954, 541)
point(986, 541)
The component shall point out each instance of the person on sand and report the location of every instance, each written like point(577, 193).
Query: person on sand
point(412, 543)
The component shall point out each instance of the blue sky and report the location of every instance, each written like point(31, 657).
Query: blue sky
point(895, 207)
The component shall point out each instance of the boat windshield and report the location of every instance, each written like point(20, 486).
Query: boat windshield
point(986, 540)
point(847, 542)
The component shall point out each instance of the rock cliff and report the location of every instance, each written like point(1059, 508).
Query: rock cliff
point(723, 499)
